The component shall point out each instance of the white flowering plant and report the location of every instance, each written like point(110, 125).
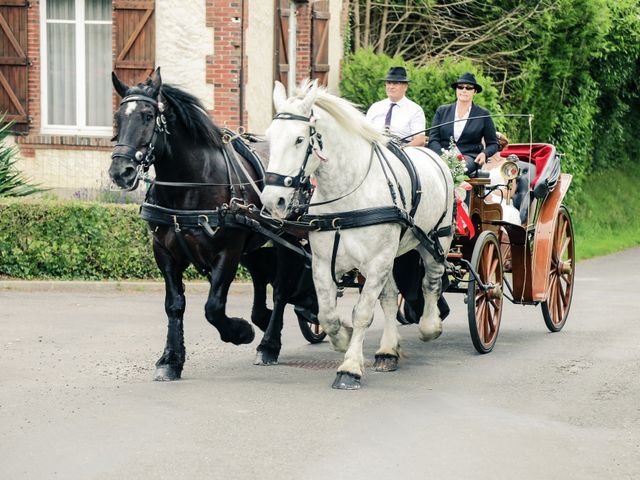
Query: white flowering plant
point(456, 163)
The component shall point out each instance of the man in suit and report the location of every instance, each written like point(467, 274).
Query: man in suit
point(397, 114)
point(475, 137)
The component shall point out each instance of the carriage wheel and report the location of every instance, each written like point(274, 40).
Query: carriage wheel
point(555, 309)
point(485, 305)
point(311, 330)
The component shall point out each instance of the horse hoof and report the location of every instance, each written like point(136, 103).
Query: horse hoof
point(346, 381)
point(239, 332)
point(385, 363)
point(166, 373)
point(266, 358)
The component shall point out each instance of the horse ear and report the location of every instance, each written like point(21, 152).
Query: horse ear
point(120, 86)
point(155, 81)
point(279, 96)
point(310, 97)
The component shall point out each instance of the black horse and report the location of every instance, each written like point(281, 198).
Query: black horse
point(190, 210)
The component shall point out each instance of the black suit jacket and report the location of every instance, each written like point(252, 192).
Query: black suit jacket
point(470, 141)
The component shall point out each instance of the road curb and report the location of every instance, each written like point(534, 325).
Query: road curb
point(107, 286)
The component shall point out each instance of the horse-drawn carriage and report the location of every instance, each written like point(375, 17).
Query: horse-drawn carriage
point(539, 249)
point(370, 204)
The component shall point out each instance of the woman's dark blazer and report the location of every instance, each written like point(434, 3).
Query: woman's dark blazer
point(470, 142)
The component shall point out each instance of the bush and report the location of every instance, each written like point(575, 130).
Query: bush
point(430, 86)
point(12, 183)
point(74, 240)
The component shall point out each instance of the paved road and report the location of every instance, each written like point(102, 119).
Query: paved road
point(77, 400)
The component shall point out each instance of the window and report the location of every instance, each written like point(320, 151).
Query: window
point(76, 66)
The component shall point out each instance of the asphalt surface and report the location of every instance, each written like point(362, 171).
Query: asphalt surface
point(77, 400)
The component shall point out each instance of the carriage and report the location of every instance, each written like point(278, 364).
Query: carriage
point(527, 263)
point(379, 201)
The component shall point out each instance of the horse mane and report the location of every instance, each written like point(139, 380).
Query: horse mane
point(346, 114)
point(190, 112)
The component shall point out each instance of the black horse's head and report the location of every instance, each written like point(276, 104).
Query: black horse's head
point(138, 121)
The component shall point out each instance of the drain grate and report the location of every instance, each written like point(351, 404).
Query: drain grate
point(314, 364)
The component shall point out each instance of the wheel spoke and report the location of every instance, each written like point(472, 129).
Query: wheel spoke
point(488, 323)
point(563, 250)
point(493, 271)
point(480, 319)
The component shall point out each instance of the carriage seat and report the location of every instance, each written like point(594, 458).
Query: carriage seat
point(546, 161)
point(542, 165)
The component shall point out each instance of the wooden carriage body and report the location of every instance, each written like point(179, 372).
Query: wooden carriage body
point(540, 251)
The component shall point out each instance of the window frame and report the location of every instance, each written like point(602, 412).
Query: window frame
point(81, 127)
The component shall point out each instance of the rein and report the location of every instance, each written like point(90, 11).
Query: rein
point(364, 217)
point(302, 180)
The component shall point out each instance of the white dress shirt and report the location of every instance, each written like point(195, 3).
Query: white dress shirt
point(458, 127)
point(407, 117)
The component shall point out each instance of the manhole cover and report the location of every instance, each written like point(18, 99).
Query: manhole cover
point(314, 364)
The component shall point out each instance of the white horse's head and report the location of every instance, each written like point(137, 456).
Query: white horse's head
point(292, 138)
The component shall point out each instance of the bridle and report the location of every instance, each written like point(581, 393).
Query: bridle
point(315, 144)
point(132, 153)
point(301, 180)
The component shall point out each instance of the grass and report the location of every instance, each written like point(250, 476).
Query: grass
point(605, 212)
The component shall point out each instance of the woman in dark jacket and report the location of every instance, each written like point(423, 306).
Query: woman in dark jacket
point(468, 131)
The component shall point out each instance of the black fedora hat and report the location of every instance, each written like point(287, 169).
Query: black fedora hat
point(397, 74)
point(467, 78)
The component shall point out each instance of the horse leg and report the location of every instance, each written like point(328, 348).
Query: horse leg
point(169, 365)
point(232, 330)
point(261, 266)
point(288, 268)
point(350, 372)
point(328, 316)
point(387, 356)
point(269, 348)
point(430, 326)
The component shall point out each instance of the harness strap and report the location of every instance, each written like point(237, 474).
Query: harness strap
point(334, 254)
point(206, 219)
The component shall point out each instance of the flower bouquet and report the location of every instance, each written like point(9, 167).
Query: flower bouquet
point(456, 163)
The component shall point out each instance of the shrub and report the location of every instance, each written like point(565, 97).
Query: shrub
point(74, 240)
point(12, 183)
point(430, 85)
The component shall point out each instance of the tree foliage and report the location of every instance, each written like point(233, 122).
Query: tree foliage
point(573, 64)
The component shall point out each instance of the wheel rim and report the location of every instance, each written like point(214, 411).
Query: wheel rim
point(562, 272)
point(486, 310)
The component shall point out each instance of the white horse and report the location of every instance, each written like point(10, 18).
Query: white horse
point(319, 134)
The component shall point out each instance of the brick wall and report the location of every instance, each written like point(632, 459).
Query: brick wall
point(224, 67)
point(303, 50)
point(33, 52)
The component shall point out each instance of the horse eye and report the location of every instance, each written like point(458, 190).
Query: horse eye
point(299, 140)
point(148, 117)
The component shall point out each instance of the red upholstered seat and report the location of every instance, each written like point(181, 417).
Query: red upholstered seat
point(537, 153)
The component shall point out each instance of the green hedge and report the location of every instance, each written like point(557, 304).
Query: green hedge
point(430, 85)
point(74, 240)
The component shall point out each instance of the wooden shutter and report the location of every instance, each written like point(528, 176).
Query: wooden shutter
point(320, 42)
point(14, 63)
point(134, 25)
point(282, 39)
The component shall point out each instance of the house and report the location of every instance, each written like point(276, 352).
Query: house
point(56, 58)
